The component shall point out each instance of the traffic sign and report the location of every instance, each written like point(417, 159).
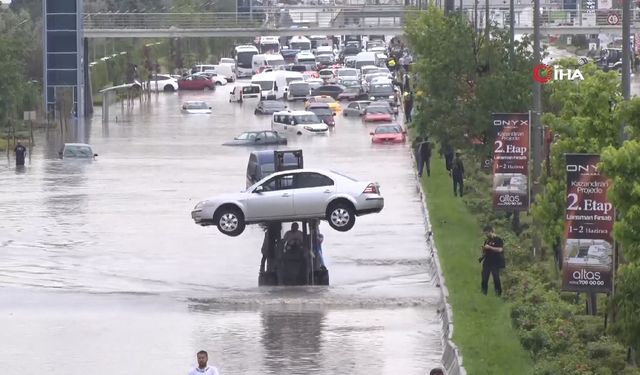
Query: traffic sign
point(613, 19)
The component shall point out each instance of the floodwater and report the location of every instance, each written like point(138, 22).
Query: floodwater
point(102, 270)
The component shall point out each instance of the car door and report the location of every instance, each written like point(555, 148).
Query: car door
point(275, 201)
point(261, 138)
point(312, 194)
point(270, 138)
point(353, 109)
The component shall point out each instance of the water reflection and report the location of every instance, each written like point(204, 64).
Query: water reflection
point(292, 339)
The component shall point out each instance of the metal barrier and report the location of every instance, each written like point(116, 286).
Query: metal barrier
point(451, 356)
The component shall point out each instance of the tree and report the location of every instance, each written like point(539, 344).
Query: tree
point(622, 166)
point(464, 78)
point(586, 123)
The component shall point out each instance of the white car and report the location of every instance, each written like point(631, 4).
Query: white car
point(196, 107)
point(77, 151)
point(215, 77)
point(300, 194)
point(298, 123)
point(165, 83)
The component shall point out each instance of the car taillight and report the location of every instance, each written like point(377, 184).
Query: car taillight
point(371, 189)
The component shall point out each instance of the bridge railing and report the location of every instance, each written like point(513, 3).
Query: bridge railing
point(255, 20)
point(553, 17)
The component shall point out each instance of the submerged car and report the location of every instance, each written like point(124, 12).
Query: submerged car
point(356, 108)
point(333, 104)
point(196, 107)
point(257, 138)
point(376, 113)
point(300, 194)
point(389, 133)
point(77, 151)
point(298, 123)
point(324, 112)
point(269, 107)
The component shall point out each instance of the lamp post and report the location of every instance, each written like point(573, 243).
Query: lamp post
point(535, 116)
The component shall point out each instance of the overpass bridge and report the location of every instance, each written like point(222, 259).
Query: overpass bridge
point(383, 19)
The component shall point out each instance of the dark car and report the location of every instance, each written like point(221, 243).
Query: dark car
point(324, 112)
point(269, 107)
point(328, 90)
point(257, 138)
point(353, 91)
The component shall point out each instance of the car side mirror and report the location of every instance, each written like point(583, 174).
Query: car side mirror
point(259, 189)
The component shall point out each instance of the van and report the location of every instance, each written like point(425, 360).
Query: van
point(272, 84)
point(298, 90)
point(202, 67)
point(276, 61)
point(245, 92)
point(298, 123)
point(227, 71)
point(365, 58)
point(306, 58)
point(262, 163)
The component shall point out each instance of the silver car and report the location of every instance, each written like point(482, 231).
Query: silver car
point(293, 195)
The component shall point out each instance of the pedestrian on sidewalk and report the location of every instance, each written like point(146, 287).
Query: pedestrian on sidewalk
point(203, 368)
point(492, 260)
point(425, 157)
point(457, 174)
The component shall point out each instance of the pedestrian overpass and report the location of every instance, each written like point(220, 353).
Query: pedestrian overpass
point(364, 20)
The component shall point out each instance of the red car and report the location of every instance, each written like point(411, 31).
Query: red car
point(390, 133)
point(311, 74)
point(375, 113)
point(196, 82)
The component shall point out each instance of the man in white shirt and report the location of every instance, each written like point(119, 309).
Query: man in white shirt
point(202, 368)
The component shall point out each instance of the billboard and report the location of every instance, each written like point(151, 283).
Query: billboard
point(587, 258)
point(511, 161)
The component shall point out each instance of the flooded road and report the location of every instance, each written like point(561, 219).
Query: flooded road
point(103, 271)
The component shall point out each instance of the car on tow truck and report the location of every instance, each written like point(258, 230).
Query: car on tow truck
point(292, 195)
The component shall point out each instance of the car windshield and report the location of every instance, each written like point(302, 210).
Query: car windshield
point(347, 73)
point(251, 90)
point(200, 105)
point(322, 111)
point(264, 85)
point(377, 110)
point(381, 90)
point(324, 58)
point(326, 72)
point(272, 104)
point(388, 129)
point(351, 84)
point(307, 119)
point(77, 152)
point(245, 136)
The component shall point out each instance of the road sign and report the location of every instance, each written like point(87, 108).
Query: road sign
point(613, 19)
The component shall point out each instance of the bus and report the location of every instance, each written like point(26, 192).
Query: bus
point(300, 42)
point(244, 58)
point(269, 44)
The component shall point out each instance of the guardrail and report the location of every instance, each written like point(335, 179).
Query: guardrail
point(451, 356)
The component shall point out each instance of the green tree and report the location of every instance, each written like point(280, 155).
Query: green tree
point(464, 79)
point(586, 123)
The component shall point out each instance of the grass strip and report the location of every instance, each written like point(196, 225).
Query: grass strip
point(482, 324)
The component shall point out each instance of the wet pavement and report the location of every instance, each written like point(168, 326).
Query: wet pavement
point(103, 271)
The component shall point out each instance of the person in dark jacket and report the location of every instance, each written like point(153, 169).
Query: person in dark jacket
point(20, 152)
point(416, 150)
point(492, 260)
point(408, 107)
point(457, 173)
point(447, 152)
point(425, 157)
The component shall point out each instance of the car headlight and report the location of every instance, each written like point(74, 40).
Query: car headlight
point(391, 96)
point(309, 128)
point(199, 206)
point(372, 98)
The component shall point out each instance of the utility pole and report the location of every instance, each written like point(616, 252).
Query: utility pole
point(512, 33)
point(535, 117)
point(487, 23)
point(626, 50)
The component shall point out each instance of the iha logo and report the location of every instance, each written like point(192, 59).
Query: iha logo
point(544, 73)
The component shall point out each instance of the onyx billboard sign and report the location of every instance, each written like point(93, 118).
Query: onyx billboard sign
point(587, 259)
point(511, 161)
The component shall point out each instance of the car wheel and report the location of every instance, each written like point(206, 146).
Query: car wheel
point(255, 112)
point(218, 83)
point(341, 216)
point(299, 133)
point(169, 88)
point(229, 221)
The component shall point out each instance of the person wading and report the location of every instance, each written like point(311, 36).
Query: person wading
point(20, 152)
point(492, 260)
point(203, 368)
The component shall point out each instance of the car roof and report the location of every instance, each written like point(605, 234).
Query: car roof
point(313, 170)
point(322, 96)
point(194, 102)
point(319, 105)
point(294, 113)
point(77, 144)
